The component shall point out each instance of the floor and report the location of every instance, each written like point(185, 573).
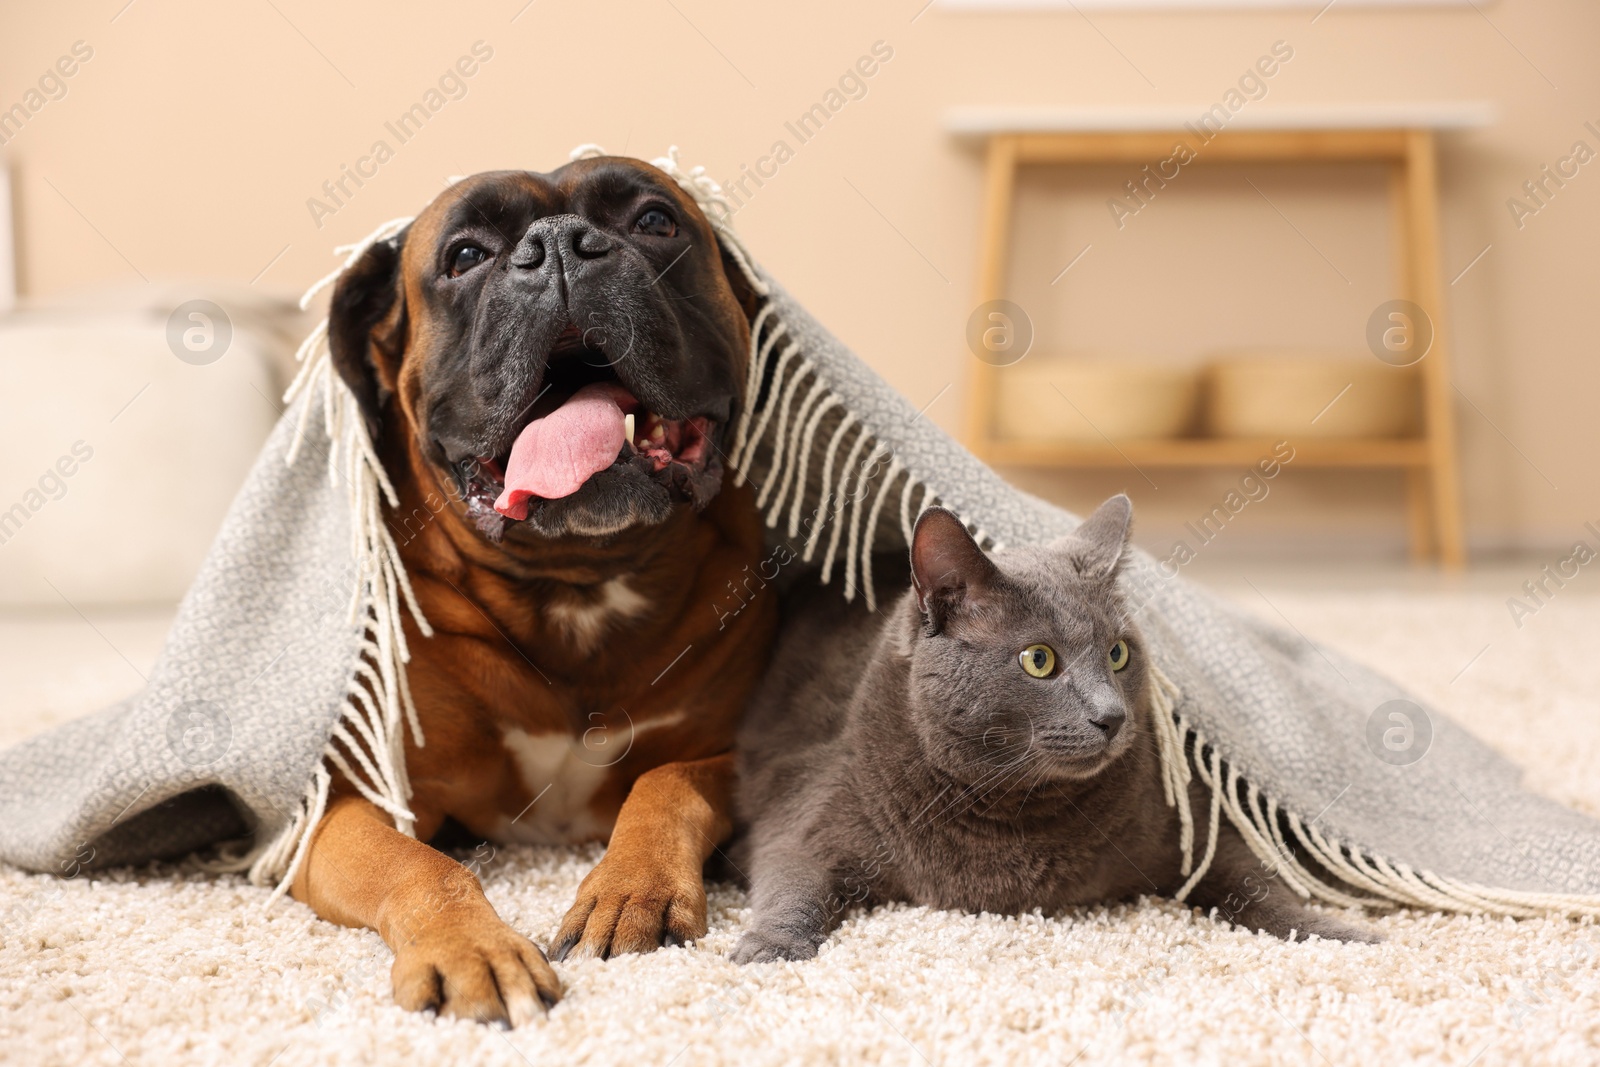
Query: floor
point(168, 965)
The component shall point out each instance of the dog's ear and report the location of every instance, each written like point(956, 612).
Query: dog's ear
point(743, 291)
point(366, 327)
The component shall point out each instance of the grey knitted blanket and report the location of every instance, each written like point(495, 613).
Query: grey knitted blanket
point(287, 661)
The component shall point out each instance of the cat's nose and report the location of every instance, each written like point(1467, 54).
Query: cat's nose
point(1109, 721)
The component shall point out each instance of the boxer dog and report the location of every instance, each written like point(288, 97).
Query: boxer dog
point(547, 365)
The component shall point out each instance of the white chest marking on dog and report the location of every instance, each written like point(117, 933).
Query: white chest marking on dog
point(562, 773)
point(586, 622)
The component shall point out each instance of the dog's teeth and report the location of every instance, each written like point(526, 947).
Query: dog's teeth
point(627, 428)
point(658, 432)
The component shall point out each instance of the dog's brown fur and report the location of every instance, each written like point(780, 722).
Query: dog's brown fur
point(661, 684)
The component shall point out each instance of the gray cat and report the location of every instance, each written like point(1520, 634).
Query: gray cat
point(985, 744)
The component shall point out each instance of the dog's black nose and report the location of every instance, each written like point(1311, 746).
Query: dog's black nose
point(588, 242)
point(529, 254)
point(1109, 721)
point(565, 238)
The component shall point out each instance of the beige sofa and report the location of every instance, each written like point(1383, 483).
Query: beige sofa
point(118, 458)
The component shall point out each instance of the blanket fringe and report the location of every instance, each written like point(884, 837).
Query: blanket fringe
point(1275, 834)
point(367, 744)
point(790, 400)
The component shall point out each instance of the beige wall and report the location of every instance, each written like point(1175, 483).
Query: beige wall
point(193, 138)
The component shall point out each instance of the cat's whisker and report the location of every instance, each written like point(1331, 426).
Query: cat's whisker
point(1036, 768)
point(971, 790)
point(1005, 787)
point(1026, 796)
point(1039, 778)
point(982, 788)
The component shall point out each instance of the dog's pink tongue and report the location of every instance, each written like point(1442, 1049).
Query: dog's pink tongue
point(555, 455)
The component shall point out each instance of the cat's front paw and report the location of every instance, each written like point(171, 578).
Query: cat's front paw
point(1331, 929)
point(1293, 921)
point(765, 946)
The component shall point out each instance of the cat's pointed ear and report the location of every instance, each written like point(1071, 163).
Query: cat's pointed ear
point(1097, 545)
point(948, 568)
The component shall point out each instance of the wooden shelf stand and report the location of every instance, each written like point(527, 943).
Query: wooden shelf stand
point(1430, 461)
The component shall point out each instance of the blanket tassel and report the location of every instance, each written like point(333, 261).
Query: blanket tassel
point(1262, 822)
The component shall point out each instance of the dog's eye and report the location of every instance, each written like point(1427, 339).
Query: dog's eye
point(1118, 656)
point(468, 257)
point(1039, 660)
point(656, 223)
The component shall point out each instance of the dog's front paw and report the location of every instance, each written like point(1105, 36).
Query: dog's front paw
point(765, 946)
point(474, 967)
point(629, 905)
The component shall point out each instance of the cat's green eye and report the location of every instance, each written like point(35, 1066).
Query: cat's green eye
point(1039, 660)
point(1118, 656)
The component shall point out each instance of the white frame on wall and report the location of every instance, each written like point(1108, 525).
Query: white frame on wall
point(1181, 5)
point(8, 260)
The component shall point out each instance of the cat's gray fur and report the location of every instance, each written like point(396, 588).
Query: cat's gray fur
point(907, 756)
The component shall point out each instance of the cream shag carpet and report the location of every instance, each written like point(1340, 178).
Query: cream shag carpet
point(167, 965)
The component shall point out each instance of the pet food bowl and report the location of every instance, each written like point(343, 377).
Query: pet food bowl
point(1289, 394)
point(1084, 400)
